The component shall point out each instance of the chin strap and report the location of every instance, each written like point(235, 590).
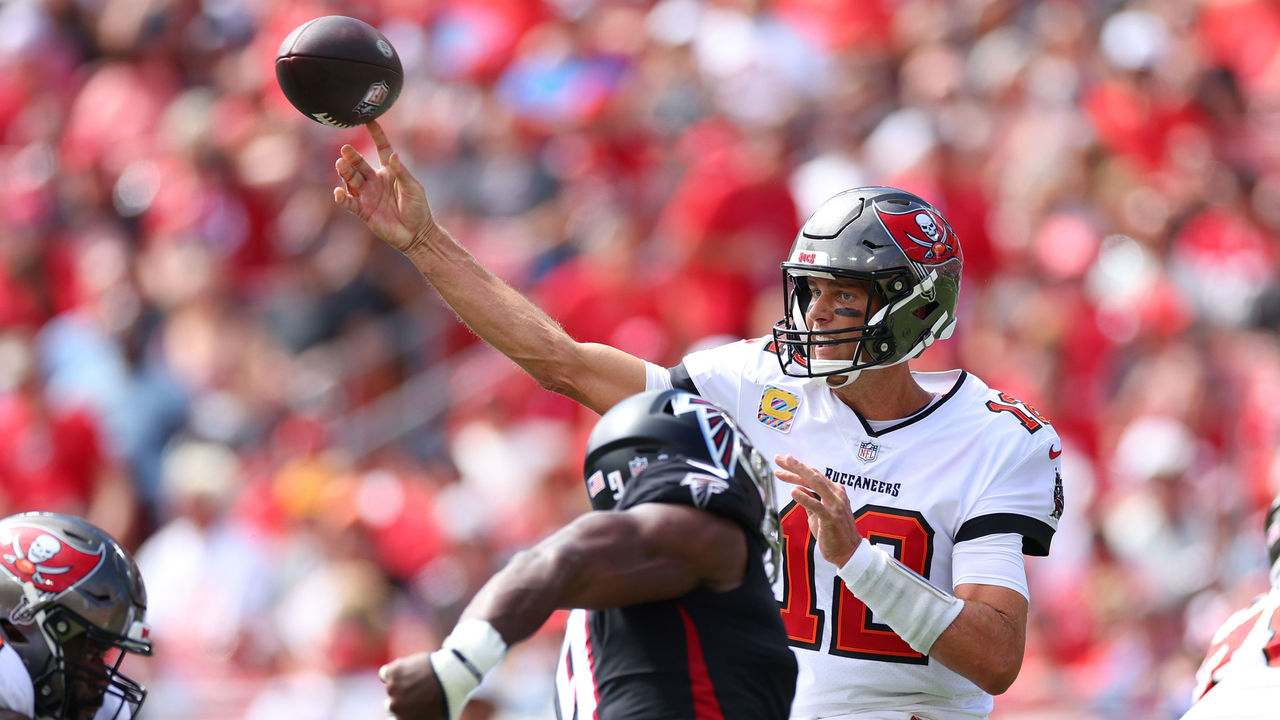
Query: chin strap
point(835, 382)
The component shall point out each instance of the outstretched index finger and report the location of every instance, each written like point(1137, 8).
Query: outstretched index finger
point(380, 141)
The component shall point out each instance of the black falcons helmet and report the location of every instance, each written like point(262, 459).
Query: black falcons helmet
point(73, 606)
point(660, 424)
point(907, 253)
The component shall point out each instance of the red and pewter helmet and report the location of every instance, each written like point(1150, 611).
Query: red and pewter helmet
point(906, 252)
point(73, 605)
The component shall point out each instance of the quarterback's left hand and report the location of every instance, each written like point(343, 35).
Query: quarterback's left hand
point(413, 692)
point(830, 519)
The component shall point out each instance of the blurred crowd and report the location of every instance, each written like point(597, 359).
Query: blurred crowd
point(317, 465)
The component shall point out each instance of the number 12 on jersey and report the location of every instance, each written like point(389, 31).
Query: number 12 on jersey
point(854, 629)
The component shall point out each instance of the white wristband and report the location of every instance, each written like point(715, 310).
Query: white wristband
point(464, 658)
point(917, 611)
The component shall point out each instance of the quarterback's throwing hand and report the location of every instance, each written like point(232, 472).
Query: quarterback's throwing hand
point(830, 519)
point(389, 199)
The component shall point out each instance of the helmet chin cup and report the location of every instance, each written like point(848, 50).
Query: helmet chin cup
point(830, 382)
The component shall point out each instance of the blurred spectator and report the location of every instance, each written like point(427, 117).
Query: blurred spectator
point(52, 456)
point(214, 578)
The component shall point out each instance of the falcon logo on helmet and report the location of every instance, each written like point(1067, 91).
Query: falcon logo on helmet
point(716, 429)
point(702, 487)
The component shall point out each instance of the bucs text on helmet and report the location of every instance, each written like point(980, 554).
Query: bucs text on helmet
point(659, 425)
point(73, 606)
point(906, 253)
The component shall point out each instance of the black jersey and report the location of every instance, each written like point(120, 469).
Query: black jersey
point(701, 656)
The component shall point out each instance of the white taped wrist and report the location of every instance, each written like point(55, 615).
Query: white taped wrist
point(917, 611)
point(464, 658)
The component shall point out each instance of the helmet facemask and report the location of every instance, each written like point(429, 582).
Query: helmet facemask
point(880, 342)
point(80, 669)
point(761, 473)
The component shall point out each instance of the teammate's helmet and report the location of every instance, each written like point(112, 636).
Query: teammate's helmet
point(906, 252)
point(1273, 539)
point(73, 606)
point(658, 425)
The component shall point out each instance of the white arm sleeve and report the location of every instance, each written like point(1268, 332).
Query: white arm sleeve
point(16, 691)
point(916, 610)
point(991, 560)
point(656, 377)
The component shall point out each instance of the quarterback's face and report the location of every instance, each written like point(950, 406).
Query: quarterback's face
point(837, 305)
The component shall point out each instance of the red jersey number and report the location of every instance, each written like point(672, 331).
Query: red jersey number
point(1027, 415)
point(855, 632)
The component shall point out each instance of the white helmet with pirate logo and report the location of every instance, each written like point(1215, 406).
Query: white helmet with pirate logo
point(908, 255)
point(72, 604)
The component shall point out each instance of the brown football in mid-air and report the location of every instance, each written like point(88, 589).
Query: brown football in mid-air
point(339, 71)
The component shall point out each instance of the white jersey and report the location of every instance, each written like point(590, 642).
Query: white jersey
point(976, 463)
point(1240, 676)
point(16, 691)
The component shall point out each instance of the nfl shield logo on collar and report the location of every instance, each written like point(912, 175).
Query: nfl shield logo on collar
point(867, 451)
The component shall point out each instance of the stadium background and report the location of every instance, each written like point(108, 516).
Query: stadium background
point(317, 466)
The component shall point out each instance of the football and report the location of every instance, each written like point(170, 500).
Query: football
point(339, 71)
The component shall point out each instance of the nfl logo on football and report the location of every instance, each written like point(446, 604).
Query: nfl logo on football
point(373, 98)
point(867, 451)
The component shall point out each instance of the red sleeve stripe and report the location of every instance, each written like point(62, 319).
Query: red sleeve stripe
point(705, 704)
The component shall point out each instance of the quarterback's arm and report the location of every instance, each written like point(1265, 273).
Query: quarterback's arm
point(393, 204)
point(13, 715)
point(986, 641)
point(649, 552)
